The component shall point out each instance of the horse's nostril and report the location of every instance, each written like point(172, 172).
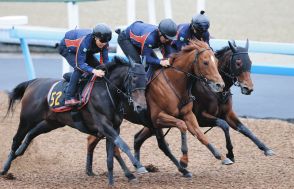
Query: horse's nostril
point(219, 85)
point(139, 108)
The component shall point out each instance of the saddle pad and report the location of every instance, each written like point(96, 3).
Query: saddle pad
point(56, 96)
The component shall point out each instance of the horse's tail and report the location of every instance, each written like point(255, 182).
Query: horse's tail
point(17, 94)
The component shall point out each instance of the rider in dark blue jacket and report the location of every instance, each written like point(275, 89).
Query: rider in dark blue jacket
point(139, 39)
point(198, 28)
point(78, 48)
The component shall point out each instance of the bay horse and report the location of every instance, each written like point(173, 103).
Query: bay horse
point(123, 82)
point(216, 109)
point(169, 103)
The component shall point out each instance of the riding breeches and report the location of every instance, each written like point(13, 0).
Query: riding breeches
point(131, 51)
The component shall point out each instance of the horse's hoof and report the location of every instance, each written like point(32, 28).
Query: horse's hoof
point(142, 170)
point(130, 176)
point(183, 164)
point(188, 175)
point(134, 181)
point(269, 152)
point(227, 161)
point(2, 173)
point(90, 173)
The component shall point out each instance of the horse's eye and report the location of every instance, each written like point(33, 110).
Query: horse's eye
point(205, 63)
point(238, 63)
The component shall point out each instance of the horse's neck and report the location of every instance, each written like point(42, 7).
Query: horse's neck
point(116, 81)
point(179, 79)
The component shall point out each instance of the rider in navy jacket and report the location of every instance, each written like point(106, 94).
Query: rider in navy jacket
point(78, 48)
point(139, 39)
point(198, 28)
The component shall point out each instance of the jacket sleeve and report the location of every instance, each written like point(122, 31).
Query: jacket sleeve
point(148, 52)
point(81, 55)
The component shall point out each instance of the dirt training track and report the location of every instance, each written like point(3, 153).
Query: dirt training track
point(57, 159)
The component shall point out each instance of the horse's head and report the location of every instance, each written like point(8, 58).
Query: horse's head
point(136, 86)
point(205, 65)
point(131, 79)
point(240, 67)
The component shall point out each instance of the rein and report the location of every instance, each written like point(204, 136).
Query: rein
point(118, 90)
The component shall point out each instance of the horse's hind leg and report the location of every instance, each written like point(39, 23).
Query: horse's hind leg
point(23, 128)
point(92, 143)
point(139, 139)
point(42, 127)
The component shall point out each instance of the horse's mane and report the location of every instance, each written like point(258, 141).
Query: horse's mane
point(194, 44)
point(220, 53)
point(117, 60)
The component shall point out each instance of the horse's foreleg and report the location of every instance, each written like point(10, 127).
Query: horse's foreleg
point(110, 153)
point(184, 148)
point(225, 127)
point(41, 128)
point(164, 119)
point(194, 129)
point(121, 162)
point(92, 143)
point(236, 124)
point(166, 150)
point(139, 139)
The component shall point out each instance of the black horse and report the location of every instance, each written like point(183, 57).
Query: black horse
point(216, 109)
point(101, 115)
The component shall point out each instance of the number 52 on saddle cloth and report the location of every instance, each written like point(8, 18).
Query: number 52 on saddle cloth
point(56, 95)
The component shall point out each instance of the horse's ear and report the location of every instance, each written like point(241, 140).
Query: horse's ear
point(232, 47)
point(247, 45)
point(234, 43)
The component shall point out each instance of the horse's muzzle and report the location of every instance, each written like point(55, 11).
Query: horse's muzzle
point(216, 87)
point(246, 90)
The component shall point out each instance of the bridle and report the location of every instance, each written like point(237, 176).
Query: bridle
point(129, 89)
point(201, 77)
point(231, 74)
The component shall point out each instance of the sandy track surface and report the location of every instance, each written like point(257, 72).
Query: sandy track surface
point(57, 159)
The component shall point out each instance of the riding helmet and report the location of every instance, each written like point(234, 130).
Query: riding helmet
point(200, 22)
point(103, 32)
point(168, 28)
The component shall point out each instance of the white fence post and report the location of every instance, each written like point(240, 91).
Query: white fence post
point(151, 11)
point(200, 5)
point(168, 9)
point(73, 22)
point(131, 11)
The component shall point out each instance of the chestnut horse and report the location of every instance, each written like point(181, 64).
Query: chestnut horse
point(169, 99)
point(101, 114)
point(216, 109)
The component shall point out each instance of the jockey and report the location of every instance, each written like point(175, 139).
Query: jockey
point(78, 48)
point(198, 28)
point(139, 39)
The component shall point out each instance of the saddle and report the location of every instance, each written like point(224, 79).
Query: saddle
point(56, 95)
